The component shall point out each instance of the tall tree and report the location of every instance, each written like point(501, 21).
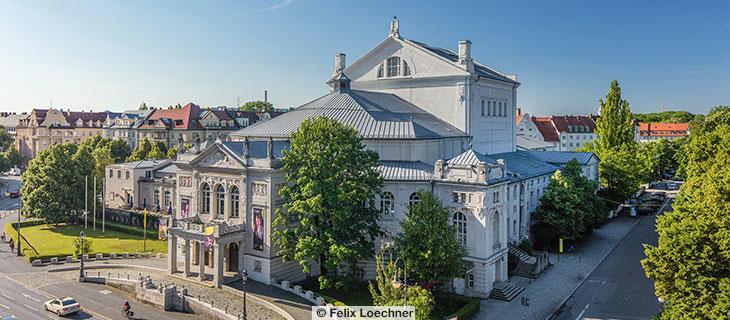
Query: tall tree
point(329, 214)
point(428, 242)
point(119, 150)
point(158, 151)
point(140, 153)
point(258, 105)
point(691, 263)
point(614, 127)
point(6, 140)
point(53, 183)
point(385, 293)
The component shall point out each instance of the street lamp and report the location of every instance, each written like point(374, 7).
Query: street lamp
point(244, 277)
point(397, 283)
point(81, 269)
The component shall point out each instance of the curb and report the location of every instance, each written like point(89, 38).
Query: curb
point(271, 306)
point(559, 309)
point(106, 266)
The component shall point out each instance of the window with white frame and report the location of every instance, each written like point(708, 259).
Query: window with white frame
point(235, 198)
point(393, 67)
point(387, 204)
point(220, 197)
point(414, 198)
point(459, 221)
point(205, 198)
point(459, 197)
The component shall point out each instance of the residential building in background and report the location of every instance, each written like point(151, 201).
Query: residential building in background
point(528, 135)
point(122, 125)
point(43, 128)
point(566, 132)
point(11, 120)
point(653, 131)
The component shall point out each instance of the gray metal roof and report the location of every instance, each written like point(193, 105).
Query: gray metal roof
point(562, 157)
point(520, 164)
point(405, 170)
point(257, 149)
point(142, 164)
point(452, 56)
point(374, 115)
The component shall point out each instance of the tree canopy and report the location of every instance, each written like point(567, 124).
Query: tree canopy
point(667, 117)
point(141, 151)
point(329, 214)
point(257, 105)
point(691, 263)
point(53, 183)
point(428, 242)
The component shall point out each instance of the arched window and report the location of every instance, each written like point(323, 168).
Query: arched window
point(380, 71)
point(393, 66)
point(234, 202)
point(205, 198)
point(387, 205)
point(406, 69)
point(220, 197)
point(414, 198)
point(459, 221)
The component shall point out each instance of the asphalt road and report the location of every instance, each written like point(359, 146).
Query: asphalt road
point(619, 288)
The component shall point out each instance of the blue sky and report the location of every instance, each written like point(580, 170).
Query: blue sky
point(114, 55)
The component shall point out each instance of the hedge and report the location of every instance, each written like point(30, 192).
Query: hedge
point(468, 310)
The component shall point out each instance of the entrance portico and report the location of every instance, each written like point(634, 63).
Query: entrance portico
point(205, 245)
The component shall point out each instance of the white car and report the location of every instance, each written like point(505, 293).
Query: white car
point(62, 306)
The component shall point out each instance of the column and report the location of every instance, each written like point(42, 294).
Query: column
point(201, 260)
point(218, 264)
point(172, 253)
point(187, 257)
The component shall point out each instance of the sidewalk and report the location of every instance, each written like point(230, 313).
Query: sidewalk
point(561, 279)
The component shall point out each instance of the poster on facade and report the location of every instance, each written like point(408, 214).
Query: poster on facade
point(258, 229)
point(162, 229)
point(184, 208)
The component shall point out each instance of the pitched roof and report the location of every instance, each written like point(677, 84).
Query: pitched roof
point(528, 143)
point(13, 120)
point(188, 116)
point(405, 170)
point(374, 115)
point(562, 157)
point(663, 129)
point(470, 158)
point(546, 128)
point(257, 149)
point(569, 123)
point(522, 165)
point(480, 69)
point(73, 116)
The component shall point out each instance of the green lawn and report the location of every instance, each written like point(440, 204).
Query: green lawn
point(57, 241)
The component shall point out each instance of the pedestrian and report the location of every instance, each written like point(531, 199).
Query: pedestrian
point(12, 245)
point(3, 237)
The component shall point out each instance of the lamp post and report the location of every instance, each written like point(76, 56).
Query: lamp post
point(81, 269)
point(396, 283)
point(244, 278)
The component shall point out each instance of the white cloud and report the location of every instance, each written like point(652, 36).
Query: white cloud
point(280, 5)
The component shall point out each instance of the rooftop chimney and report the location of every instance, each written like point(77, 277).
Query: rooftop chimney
point(465, 55)
point(339, 63)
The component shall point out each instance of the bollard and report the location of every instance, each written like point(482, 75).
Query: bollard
point(98, 274)
point(127, 276)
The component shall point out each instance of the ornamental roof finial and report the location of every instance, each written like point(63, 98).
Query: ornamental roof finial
point(394, 28)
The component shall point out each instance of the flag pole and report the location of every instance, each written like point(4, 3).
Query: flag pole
point(145, 230)
point(95, 201)
point(86, 201)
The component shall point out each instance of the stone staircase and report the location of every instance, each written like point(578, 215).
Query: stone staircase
point(505, 291)
point(526, 265)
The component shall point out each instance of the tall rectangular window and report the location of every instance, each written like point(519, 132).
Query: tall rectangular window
point(483, 111)
point(393, 66)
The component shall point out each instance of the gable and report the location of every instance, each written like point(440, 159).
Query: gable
point(217, 157)
point(422, 64)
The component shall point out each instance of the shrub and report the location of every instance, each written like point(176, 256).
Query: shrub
point(512, 261)
point(469, 310)
point(87, 247)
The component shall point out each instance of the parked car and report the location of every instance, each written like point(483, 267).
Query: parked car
point(672, 186)
point(62, 306)
point(14, 194)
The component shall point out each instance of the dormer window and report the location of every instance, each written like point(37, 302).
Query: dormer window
point(394, 67)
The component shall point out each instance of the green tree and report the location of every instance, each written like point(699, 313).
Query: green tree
point(6, 140)
point(385, 293)
point(102, 158)
point(140, 153)
point(158, 151)
point(86, 248)
point(614, 127)
point(329, 214)
point(172, 152)
point(428, 242)
point(53, 183)
point(258, 105)
point(12, 157)
point(691, 263)
point(119, 150)
point(143, 106)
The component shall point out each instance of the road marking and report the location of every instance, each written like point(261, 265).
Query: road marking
point(4, 306)
point(105, 292)
point(29, 297)
point(582, 312)
point(31, 308)
point(9, 298)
